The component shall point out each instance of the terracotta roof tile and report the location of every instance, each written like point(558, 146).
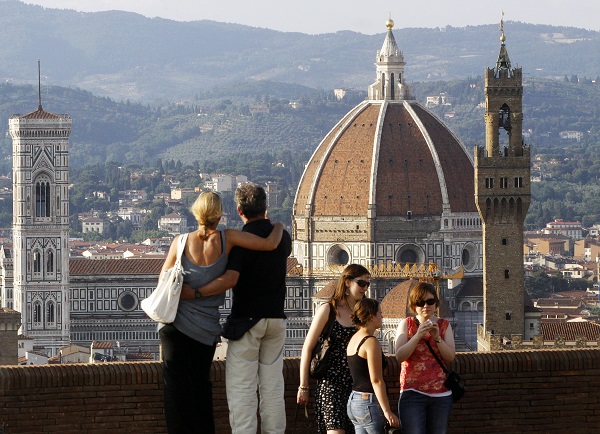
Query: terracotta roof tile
point(41, 114)
point(559, 302)
point(327, 291)
point(395, 303)
point(150, 266)
point(570, 330)
point(96, 345)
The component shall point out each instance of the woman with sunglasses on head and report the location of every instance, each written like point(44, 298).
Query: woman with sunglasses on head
point(368, 404)
point(425, 403)
point(333, 390)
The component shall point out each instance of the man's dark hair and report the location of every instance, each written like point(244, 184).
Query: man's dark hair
point(251, 199)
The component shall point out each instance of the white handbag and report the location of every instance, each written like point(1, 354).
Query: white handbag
point(162, 304)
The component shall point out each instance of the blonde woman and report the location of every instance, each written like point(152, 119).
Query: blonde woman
point(188, 344)
point(368, 404)
point(331, 395)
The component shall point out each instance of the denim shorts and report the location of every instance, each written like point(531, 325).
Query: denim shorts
point(365, 413)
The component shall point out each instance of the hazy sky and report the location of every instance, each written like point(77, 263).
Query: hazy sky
point(365, 16)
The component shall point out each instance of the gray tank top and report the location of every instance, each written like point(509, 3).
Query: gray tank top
point(199, 318)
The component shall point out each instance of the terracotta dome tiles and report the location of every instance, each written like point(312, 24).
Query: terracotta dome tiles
point(406, 175)
point(395, 303)
point(344, 183)
point(456, 165)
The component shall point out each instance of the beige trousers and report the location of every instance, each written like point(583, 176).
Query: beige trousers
point(255, 363)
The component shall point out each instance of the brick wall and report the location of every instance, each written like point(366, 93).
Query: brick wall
point(543, 391)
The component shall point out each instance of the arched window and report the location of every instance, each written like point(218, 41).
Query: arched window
point(504, 114)
point(50, 262)
point(50, 313)
point(42, 197)
point(392, 87)
point(37, 261)
point(37, 314)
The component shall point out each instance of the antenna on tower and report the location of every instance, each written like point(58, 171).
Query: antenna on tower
point(39, 86)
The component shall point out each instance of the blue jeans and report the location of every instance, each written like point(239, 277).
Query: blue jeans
point(422, 414)
point(365, 413)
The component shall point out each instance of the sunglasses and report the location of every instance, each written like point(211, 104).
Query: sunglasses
point(362, 283)
point(428, 302)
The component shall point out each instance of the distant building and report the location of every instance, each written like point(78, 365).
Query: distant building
point(259, 109)
point(594, 231)
point(547, 244)
point(224, 182)
point(587, 249)
point(571, 135)
point(181, 193)
point(72, 353)
point(132, 214)
point(101, 195)
point(93, 224)
point(173, 223)
point(273, 195)
point(572, 230)
point(10, 322)
point(436, 100)
point(343, 93)
point(128, 196)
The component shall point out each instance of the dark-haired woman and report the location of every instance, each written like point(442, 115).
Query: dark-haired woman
point(331, 396)
point(368, 405)
point(425, 403)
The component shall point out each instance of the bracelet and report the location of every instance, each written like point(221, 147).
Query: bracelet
point(303, 388)
point(438, 340)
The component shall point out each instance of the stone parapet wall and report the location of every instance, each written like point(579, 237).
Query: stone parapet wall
point(542, 391)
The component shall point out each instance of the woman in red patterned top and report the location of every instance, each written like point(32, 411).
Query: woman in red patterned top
point(425, 403)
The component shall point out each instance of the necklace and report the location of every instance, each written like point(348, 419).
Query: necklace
point(348, 304)
point(204, 235)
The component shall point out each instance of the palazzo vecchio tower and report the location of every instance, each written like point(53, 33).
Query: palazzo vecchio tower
point(503, 195)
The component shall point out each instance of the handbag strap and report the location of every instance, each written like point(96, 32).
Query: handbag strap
point(181, 246)
point(327, 329)
point(437, 358)
point(431, 349)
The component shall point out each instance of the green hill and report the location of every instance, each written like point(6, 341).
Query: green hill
point(127, 56)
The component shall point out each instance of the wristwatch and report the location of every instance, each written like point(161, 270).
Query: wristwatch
point(197, 293)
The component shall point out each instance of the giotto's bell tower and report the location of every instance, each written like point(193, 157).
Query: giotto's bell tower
point(41, 225)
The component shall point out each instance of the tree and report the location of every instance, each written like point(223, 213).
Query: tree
point(124, 229)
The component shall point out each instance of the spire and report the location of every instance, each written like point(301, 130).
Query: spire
point(503, 62)
point(389, 51)
point(390, 70)
point(39, 87)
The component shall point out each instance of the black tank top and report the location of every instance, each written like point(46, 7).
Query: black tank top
point(359, 369)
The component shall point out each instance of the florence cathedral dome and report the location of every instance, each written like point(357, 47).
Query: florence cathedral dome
point(389, 184)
